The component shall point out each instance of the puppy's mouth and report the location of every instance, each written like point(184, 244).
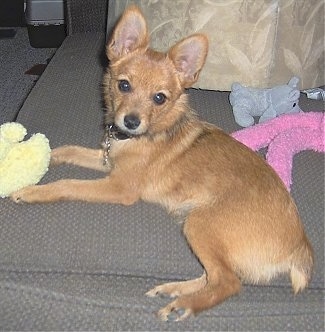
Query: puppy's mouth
point(120, 134)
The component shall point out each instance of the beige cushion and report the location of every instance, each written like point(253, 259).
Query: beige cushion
point(256, 43)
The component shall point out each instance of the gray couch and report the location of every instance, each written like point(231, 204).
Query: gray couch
point(79, 266)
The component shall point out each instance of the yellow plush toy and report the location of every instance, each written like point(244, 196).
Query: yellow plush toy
point(21, 163)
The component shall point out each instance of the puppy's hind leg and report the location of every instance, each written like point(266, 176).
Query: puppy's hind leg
point(221, 282)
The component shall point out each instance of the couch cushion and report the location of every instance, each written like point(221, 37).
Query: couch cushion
point(140, 240)
point(99, 302)
point(56, 254)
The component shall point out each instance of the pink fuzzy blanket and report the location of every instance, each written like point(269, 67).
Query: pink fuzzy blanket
point(285, 136)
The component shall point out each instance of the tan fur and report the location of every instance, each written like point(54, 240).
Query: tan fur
point(240, 221)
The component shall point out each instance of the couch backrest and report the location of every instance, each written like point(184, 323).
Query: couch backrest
point(85, 15)
point(255, 43)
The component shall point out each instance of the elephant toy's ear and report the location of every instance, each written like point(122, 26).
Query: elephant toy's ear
point(293, 83)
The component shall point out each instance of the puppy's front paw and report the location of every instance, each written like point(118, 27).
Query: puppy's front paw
point(28, 195)
point(59, 155)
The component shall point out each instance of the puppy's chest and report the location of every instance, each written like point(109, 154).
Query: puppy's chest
point(152, 171)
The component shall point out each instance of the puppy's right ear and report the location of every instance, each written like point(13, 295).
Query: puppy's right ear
point(129, 34)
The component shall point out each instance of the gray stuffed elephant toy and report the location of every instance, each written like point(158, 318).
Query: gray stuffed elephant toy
point(248, 103)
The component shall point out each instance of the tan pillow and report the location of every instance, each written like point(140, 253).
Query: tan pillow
point(256, 43)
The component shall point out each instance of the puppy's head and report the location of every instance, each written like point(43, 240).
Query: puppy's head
point(145, 87)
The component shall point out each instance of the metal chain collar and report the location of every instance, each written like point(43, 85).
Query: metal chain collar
point(106, 143)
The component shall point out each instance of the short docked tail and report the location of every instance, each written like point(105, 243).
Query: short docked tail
point(302, 266)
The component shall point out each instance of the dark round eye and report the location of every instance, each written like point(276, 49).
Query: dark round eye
point(159, 98)
point(294, 105)
point(124, 86)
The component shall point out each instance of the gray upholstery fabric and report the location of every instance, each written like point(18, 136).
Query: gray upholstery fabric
point(48, 301)
point(16, 57)
point(79, 266)
point(85, 15)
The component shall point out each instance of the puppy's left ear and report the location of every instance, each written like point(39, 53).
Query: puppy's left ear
point(189, 56)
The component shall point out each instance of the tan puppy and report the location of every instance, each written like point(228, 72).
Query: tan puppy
point(239, 219)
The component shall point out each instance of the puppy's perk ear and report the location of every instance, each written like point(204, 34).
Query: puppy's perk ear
point(189, 56)
point(129, 34)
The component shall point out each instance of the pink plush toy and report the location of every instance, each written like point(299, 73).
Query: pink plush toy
point(285, 136)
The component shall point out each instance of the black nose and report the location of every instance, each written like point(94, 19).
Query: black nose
point(131, 121)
